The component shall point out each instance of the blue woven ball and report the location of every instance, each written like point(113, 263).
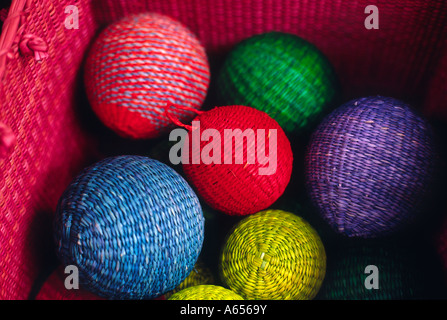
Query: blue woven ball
point(132, 226)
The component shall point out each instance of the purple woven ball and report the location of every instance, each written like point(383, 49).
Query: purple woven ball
point(369, 166)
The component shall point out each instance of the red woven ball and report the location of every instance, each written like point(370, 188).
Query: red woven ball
point(239, 187)
point(139, 65)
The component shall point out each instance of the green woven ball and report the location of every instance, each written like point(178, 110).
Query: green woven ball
point(346, 274)
point(282, 75)
point(205, 292)
point(273, 255)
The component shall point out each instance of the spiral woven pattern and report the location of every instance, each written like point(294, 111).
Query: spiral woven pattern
point(273, 255)
point(206, 292)
point(132, 226)
point(281, 74)
point(137, 67)
point(200, 275)
point(240, 188)
point(369, 165)
point(345, 277)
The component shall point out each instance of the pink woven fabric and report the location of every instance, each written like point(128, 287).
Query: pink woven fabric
point(435, 105)
point(38, 104)
point(38, 99)
point(7, 140)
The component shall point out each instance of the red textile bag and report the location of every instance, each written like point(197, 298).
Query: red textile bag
point(41, 60)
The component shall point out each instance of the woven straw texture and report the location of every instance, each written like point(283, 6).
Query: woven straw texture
point(239, 187)
point(200, 275)
point(132, 226)
point(433, 107)
point(273, 255)
point(137, 67)
point(345, 277)
point(38, 100)
point(369, 165)
point(206, 292)
point(281, 74)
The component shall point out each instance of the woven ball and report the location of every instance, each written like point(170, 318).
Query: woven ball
point(281, 74)
point(206, 292)
point(240, 188)
point(54, 289)
point(273, 255)
point(345, 279)
point(369, 165)
point(139, 65)
point(132, 226)
point(200, 275)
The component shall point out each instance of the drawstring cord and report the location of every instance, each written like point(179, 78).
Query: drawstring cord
point(177, 121)
point(13, 38)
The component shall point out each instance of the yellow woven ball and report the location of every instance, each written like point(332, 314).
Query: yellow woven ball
point(273, 255)
point(206, 292)
point(200, 275)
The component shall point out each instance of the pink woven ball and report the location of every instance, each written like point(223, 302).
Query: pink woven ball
point(139, 65)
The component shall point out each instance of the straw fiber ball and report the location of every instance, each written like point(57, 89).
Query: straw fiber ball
point(347, 273)
point(370, 165)
point(200, 275)
point(281, 74)
point(206, 292)
point(139, 65)
point(273, 255)
point(54, 289)
point(132, 226)
point(242, 175)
